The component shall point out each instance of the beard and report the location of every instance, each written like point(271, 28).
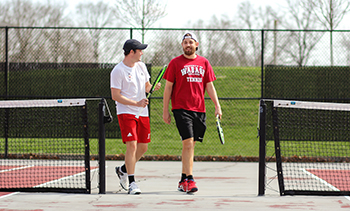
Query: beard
point(189, 51)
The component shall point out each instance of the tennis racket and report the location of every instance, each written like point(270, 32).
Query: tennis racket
point(159, 77)
point(220, 131)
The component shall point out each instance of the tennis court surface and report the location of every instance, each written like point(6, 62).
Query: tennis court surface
point(222, 186)
point(48, 160)
point(43, 175)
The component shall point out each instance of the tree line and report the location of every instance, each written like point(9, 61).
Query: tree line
point(224, 48)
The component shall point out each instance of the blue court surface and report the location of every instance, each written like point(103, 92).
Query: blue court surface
point(222, 186)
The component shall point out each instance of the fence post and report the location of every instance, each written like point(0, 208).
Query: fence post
point(262, 147)
point(102, 147)
point(262, 63)
point(7, 70)
point(7, 62)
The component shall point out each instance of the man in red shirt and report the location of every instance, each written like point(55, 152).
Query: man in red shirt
point(187, 77)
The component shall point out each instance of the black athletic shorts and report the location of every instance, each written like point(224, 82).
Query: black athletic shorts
point(190, 124)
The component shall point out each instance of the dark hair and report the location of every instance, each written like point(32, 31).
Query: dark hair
point(128, 52)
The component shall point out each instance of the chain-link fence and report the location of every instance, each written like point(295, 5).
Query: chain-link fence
point(76, 63)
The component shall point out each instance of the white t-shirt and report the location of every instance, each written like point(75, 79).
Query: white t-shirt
point(132, 84)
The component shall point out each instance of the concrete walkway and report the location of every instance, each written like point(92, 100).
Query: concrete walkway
point(222, 186)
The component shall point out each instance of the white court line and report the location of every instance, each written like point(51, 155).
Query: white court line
point(63, 178)
point(14, 169)
point(47, 183)
point(14, 193)
point(10, 194)
point(322, 181)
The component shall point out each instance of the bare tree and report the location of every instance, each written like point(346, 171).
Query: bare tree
point(216, 46)
point(54, 18)
point(242, 47)
point(97, 14)
point(137, 13)
point(252, 18)
point(213, 45)
point(25, 13)
point(301, 43)
point(5, 16)
point(346, 44)
point(331, 13)
point(169, 47)
point(27, 42)
point(248, 16)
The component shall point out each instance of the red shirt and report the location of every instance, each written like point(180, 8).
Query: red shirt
point(190, 77)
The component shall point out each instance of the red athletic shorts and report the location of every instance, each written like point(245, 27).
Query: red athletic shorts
point(133, 129)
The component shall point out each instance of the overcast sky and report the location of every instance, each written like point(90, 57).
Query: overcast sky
point(179, 12)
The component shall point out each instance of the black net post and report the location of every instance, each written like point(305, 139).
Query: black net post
point(87, 149)
point(278, 150)
point(262, 148)
point(102, 147)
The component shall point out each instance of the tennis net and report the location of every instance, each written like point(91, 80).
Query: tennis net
point(44, 146)
point(312, 146)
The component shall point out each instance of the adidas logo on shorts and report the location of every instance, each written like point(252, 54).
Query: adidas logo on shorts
point(129, 135)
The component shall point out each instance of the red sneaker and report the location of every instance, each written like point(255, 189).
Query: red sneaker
point(182, 186)
point(191, 186)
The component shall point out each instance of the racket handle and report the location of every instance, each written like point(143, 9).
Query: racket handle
point(140, 111)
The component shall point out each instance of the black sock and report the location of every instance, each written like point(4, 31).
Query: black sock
point(183, 177)
point(123, 168)
point(131, 178)
point(190, 177)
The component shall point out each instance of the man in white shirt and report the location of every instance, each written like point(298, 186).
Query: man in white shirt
point(129, 83)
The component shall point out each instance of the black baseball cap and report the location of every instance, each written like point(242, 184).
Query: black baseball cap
point(133, 44)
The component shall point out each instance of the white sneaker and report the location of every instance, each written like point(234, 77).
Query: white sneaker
point(133, 189)
point(123, 177)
